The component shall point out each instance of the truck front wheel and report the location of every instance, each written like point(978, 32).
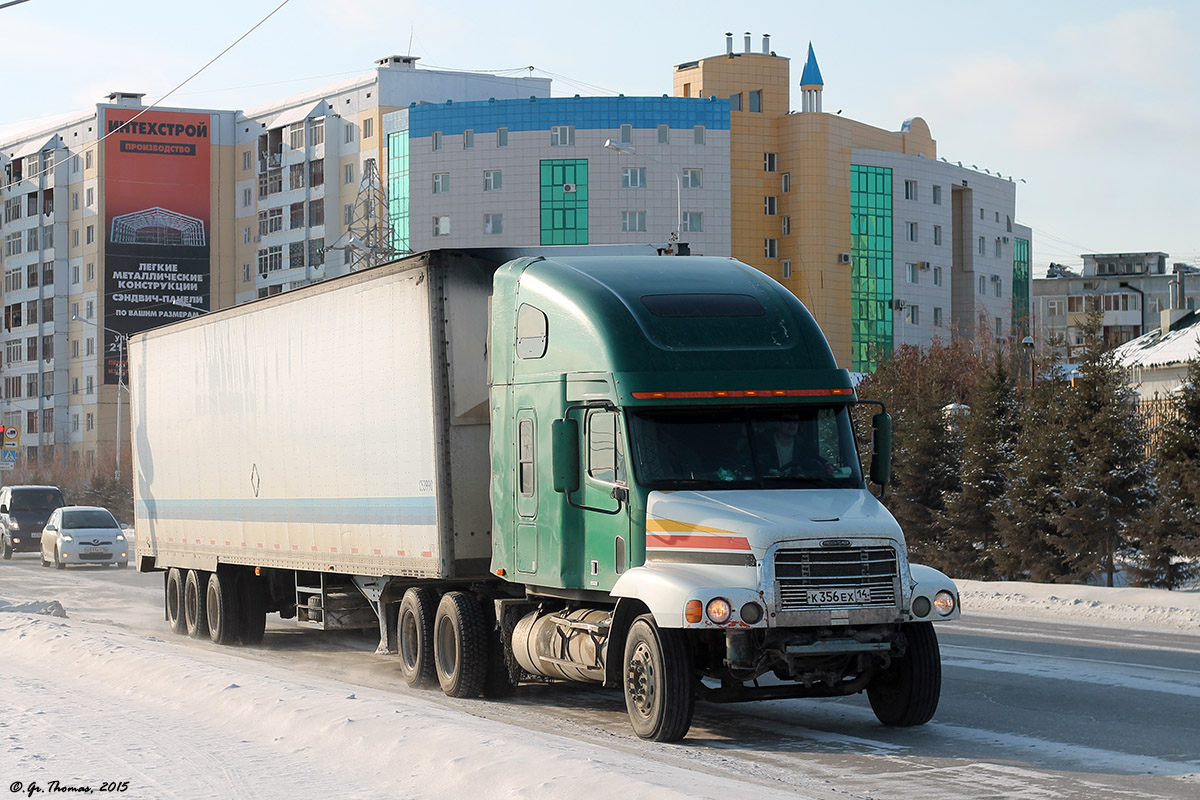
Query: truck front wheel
point(460, 645)
point(907, 692)
point(660, 693)
point(414, 635)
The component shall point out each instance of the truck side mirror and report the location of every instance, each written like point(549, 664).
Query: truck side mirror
point(881, 450)
point(564, 446)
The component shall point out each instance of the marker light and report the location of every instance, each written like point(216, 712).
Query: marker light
point(692, 611)
point(721, 393)
point(719, 610)
point(943, 601)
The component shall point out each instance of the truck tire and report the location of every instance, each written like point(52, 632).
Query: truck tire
point(223, 615)
point(414, 636)
point(460, 645)
point(173, 600)
point(252, 594)
point(660, 693)
point(907, 692)
point(195, 596)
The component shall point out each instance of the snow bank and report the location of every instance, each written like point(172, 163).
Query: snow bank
point(1122, 607)
point(50, 607)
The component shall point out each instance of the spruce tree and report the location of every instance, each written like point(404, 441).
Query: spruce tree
point(1168, 540)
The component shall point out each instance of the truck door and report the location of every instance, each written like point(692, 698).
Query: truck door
point(605, 516)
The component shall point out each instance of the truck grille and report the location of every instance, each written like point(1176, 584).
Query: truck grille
point(804, 575)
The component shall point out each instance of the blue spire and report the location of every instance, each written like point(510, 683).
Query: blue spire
point(812, 73)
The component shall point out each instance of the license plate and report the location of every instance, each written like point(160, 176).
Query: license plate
point(35, 535)
point(837, 597)
point(94, 550)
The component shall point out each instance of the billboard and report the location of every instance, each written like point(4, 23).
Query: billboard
point(157, 206)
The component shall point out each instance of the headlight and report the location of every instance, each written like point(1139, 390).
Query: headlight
point(943, 601)
point(120, 538)
point(66, 537)
point(719, 610)
point(16, 526)
point(751, 613)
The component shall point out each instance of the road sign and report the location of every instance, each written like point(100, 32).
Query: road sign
point(11, 438)
point(8, 456)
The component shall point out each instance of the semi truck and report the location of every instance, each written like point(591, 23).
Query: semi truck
point(629, 471)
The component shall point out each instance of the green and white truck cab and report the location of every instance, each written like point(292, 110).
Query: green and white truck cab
point(675, 478)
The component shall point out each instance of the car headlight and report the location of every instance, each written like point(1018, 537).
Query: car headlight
point(16, 526)
point(120, 538)
point(943, 601)
point(719, 610)
point(66, 537)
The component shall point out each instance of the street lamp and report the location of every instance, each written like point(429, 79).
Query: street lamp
point(630, 150)
point(121, 339)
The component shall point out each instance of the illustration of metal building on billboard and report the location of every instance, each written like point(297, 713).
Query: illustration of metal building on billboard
point(158, 226)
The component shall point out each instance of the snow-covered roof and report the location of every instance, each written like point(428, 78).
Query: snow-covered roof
point(1180, 344)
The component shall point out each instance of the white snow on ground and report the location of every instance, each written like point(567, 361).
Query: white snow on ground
point(93, 697)
point(1122, 607)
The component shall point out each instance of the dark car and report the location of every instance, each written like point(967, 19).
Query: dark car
point(23, 513)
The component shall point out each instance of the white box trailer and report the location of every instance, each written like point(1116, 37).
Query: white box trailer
point(270, 449)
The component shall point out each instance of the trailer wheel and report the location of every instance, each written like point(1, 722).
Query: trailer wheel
point(414, 636)
point(253, 601)
point(195, 611)
point(460, 645)
point(907, 692)
point(224, 612)
point(174, 601)
point(660, 693)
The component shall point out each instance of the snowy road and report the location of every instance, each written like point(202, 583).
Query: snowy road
point(1030, 709)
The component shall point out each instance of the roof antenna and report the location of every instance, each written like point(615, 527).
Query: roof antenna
point(410, 38)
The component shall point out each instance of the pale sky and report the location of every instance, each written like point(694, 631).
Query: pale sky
point(1094, 104)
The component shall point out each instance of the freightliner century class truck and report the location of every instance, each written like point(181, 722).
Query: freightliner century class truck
point(638, 472)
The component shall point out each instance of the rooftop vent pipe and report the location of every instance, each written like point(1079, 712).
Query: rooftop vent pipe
point(766, 44)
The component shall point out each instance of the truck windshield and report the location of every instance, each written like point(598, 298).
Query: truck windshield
point(775, 447)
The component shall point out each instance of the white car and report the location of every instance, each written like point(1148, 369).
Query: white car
point(83, 535)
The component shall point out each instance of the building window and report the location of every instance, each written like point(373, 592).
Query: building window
point(912, 315)
point(937, 316)
point(664, 134)
point(75, 422)
point(562, 135)
point(89, 386)
point(349, 174)
point(770, 161)
point(937, 276)
point(441, 182)
point(698, 134)
point(316, 213)
point(981, 213)
point(246, 160)
point(999, 326)
point(468, 139)
point(771, 248)
point(996, 285)
point(693, 178)
point(74, 201)
point(246, 235)
point(633, 221)
point(997, 248)
point(770, 205)
point(245, 273)
point(317, 135)
point(911, 273)
point(435, 139)
point(91, 234)
point(756, 101)
point(296, 254)
point(910, 231)
point(982, 247)
point(295, 134)
point(937, 201)
point(910, 190)
point(270, 221)
point(493, 224)
point(368, 126)
point(501, 137)
point(937, 235)
point(91, 421)
point(441, 226)
point(786, 268)
point(349, 132)
point(87, 159)
point(626, 133)
point(296, 215)
point(735, 102)
point(493, 180)
point(246, 198)
point(786, 225)
point(633, 177)
point(347, 214)
point(693, 221)
point(89, 196)
point(90, 308)
point(983, 284)
point(270, 259)
point(1054, 308)
point(785, 183)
